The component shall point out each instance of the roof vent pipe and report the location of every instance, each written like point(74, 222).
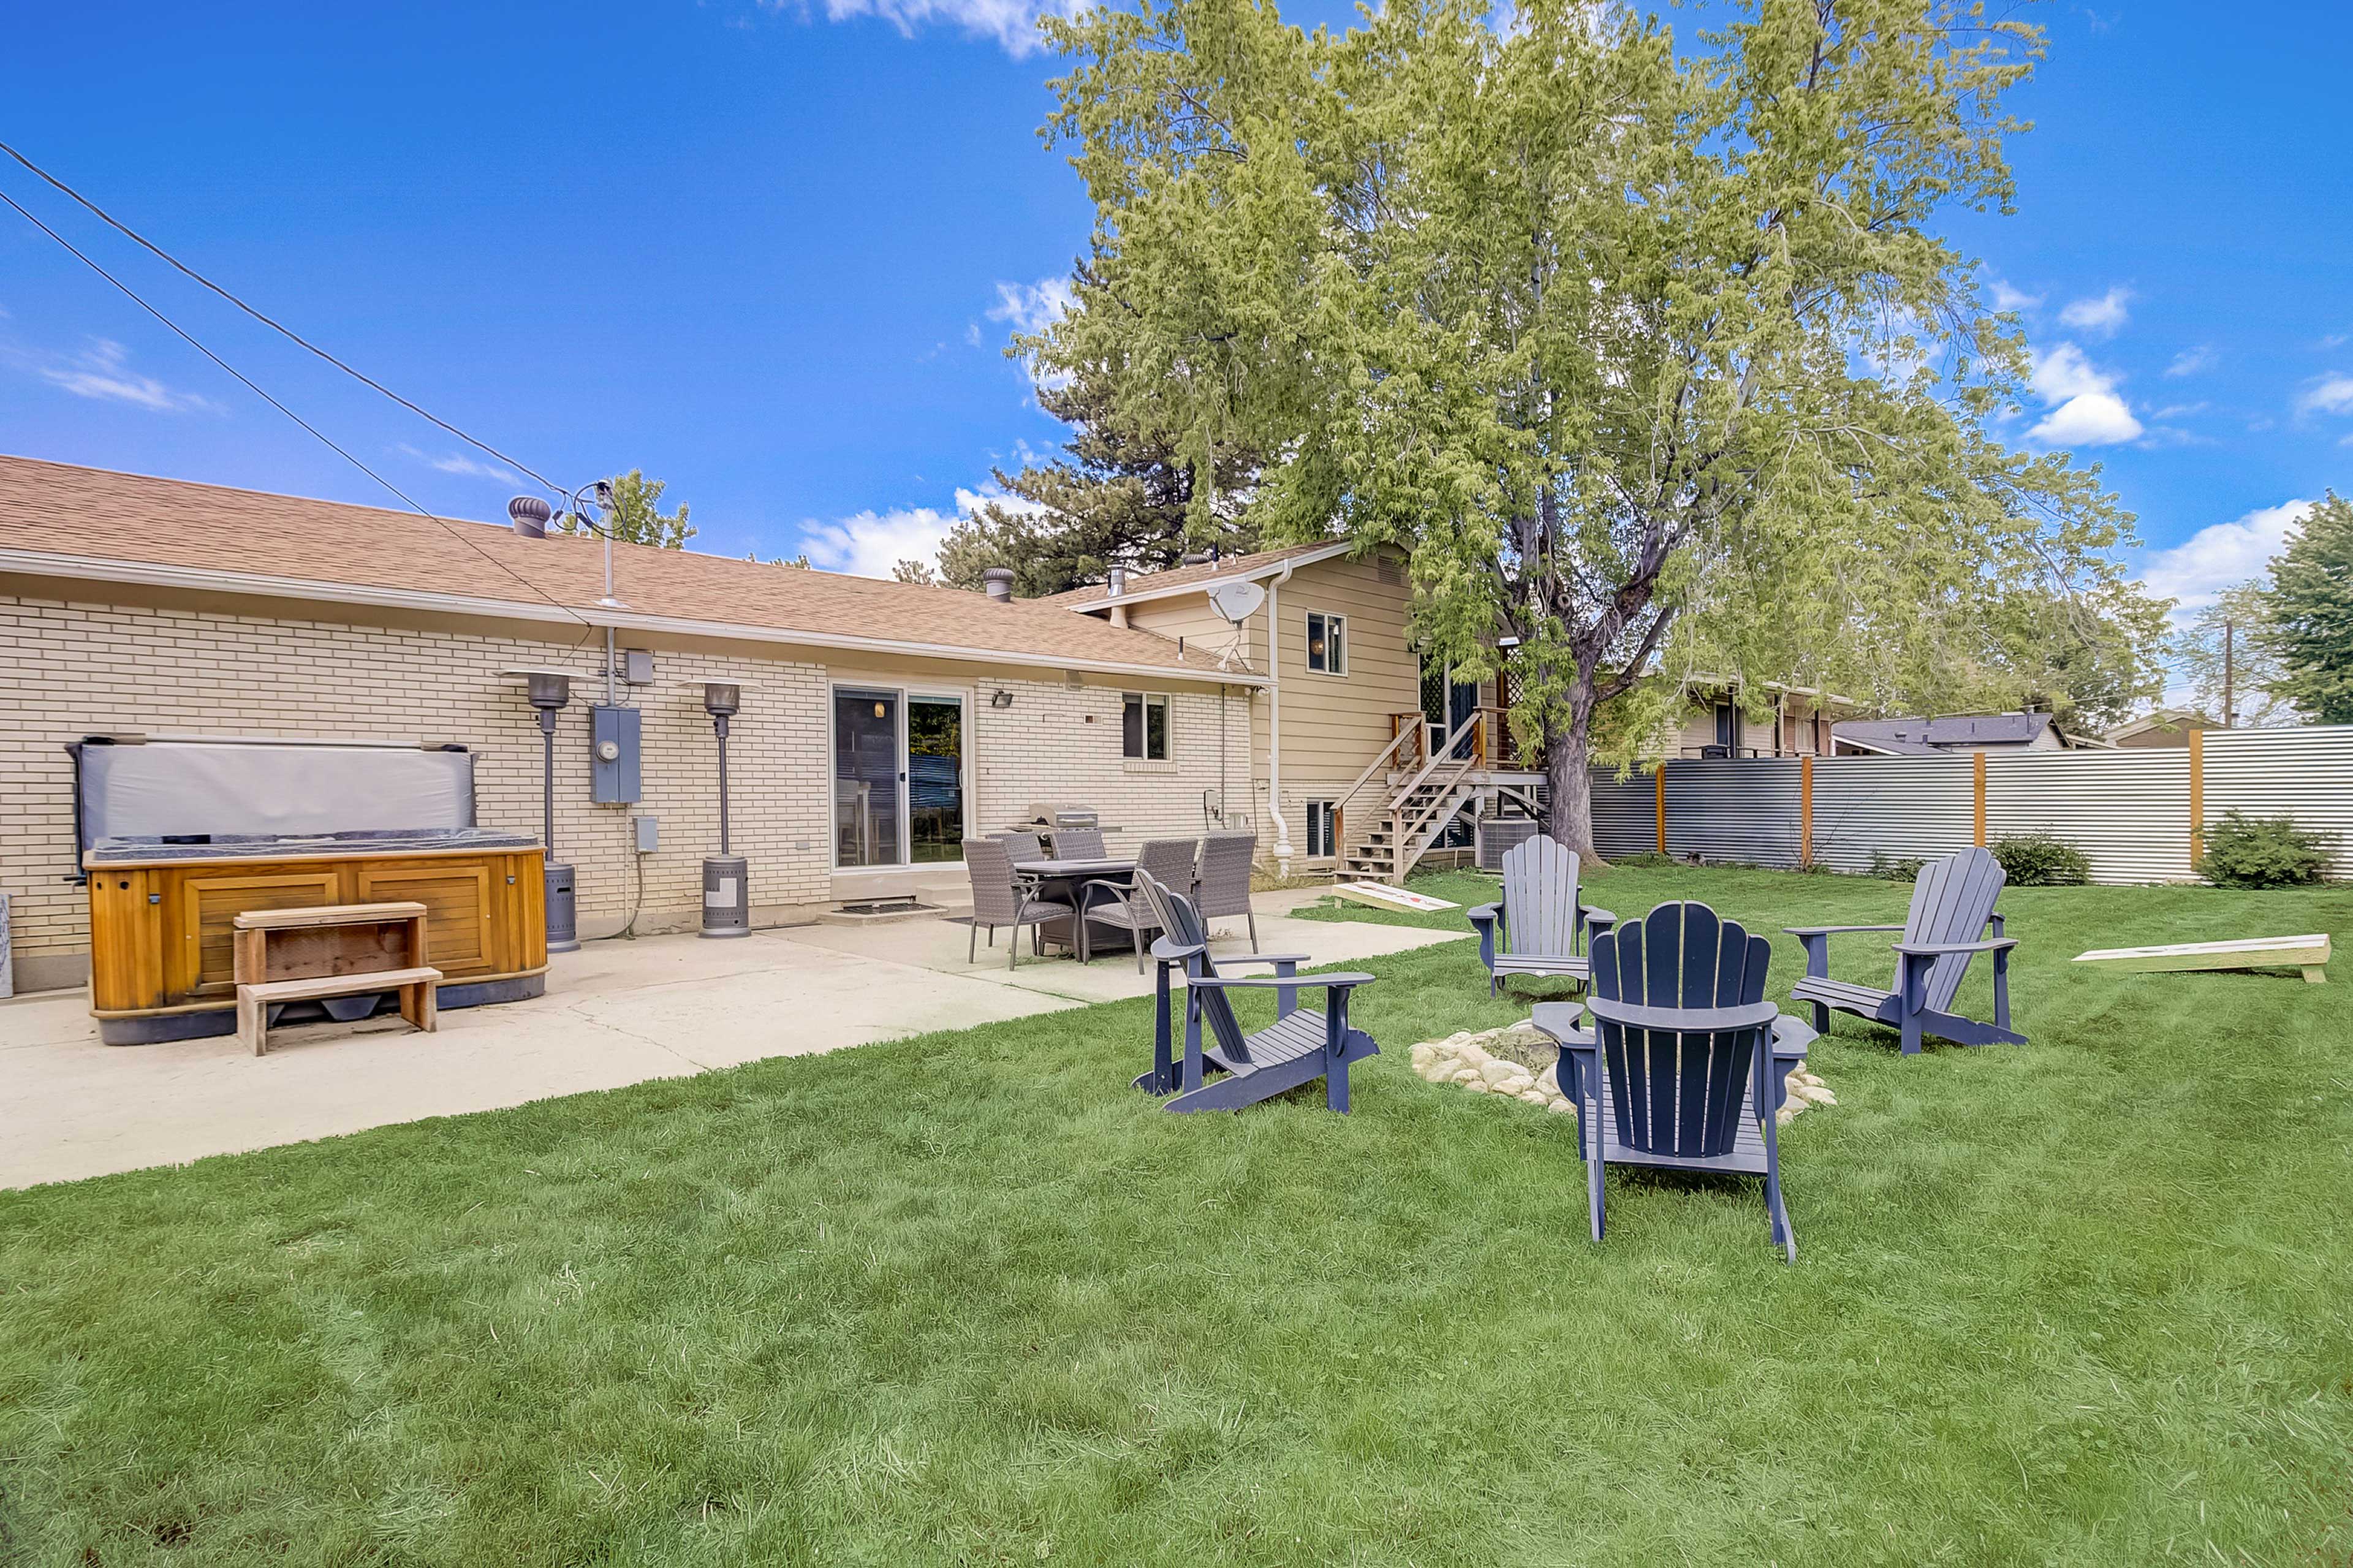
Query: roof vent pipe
point(530, 514)
point(1118, 582)
point(1195, 558)
point(999, 581)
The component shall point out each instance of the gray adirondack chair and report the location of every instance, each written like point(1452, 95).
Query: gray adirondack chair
point(1298, 1048)
point(1223, 888)
point(1539, 926)
point(999, 897)
point(1952, 906)
point(1168, 861)
point(1686, 1062)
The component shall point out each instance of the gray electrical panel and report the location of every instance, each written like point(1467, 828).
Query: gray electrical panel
point(615, 756)
point(637, 665)
point(648, 834)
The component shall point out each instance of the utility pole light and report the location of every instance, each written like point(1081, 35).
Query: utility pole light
point(549, 690)
point(726, 879)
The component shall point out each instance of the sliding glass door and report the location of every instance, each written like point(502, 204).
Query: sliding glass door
point(898, 777)
point(935, 777)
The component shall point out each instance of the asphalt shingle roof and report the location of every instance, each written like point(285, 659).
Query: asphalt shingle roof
point(1925, 737)
point(59, 510)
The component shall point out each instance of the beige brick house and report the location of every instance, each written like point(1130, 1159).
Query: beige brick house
point(141, 606)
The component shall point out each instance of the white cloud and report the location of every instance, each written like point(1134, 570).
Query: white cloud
point(2190, 362)
point(2085, 410)
point(458, 463)
point(2329, 395)
point(870, 543)
point(1032, 307)
point(2103, 315)
point(2006, 297)
point(2219, 556)
point(1011, 23)
point(102, 372)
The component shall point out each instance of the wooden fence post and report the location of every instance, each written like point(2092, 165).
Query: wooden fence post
point(1805, 811)
point(1661, 776)
point(1980, 799)
point(2197, 797)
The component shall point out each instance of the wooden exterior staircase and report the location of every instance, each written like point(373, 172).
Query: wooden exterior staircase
point(1386, 823)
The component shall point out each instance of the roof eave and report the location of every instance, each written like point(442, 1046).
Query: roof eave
point(1178, 590)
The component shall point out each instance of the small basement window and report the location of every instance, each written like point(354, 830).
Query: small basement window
point(1328, 643)
point(1143, 727)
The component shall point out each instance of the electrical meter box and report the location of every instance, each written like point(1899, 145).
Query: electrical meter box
point(615, 756)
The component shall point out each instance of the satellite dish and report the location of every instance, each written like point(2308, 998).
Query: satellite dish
point(1237, 601)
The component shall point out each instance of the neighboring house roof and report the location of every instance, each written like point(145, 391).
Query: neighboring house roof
point(1928, 737)
point(1188, 579)
point(2172, 718)
point(60, 520)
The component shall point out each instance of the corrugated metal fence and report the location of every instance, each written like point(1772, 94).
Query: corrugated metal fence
point(2134, 814)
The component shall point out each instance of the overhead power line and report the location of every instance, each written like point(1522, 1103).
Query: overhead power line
point(132, 295)
point(276, 326)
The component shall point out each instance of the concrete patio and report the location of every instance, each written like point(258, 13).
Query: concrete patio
point(615, 1013)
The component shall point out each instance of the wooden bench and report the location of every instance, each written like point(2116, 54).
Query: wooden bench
point(334, 949)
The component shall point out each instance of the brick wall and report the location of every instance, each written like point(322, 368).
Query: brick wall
point(77, 668)
point(1061, 743)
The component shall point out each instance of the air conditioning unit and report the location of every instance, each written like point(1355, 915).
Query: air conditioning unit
point(1498, 836)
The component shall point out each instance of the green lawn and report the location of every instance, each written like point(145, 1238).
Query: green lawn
point(970, 1298)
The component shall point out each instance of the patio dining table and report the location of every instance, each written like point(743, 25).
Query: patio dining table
point(1061, 879)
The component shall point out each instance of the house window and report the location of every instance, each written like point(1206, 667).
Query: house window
point(1328, 643)
point(1143, 727)
point(1323, 829)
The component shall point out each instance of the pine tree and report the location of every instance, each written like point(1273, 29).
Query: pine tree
point(1115, 497)
point(2310, 614)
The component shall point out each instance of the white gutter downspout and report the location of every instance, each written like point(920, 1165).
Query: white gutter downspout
point(1274, 723)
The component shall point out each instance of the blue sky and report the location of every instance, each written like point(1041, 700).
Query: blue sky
point(771, 254)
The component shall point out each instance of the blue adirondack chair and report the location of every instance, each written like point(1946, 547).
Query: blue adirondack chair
point(1952, 906)
point(1539, 925)
point(1298, 1048)
point(1686, 1062)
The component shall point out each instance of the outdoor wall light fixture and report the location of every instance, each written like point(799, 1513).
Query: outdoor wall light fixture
point(1000, 700)
point(726, 880)
point(549, 690)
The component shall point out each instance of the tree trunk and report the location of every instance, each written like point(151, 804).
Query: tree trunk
point(1568, 757)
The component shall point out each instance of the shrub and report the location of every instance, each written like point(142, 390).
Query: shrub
point(2244, 851)
point(2039, 860)
point(1907, 870)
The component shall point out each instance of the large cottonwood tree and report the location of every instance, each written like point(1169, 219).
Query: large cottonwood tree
point(1648, 352)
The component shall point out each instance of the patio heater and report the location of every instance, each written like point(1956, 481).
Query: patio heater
point(548, 690)
point(726, 882)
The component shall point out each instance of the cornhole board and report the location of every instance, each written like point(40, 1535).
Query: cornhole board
point(1380, 895)
point(2309, 954)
